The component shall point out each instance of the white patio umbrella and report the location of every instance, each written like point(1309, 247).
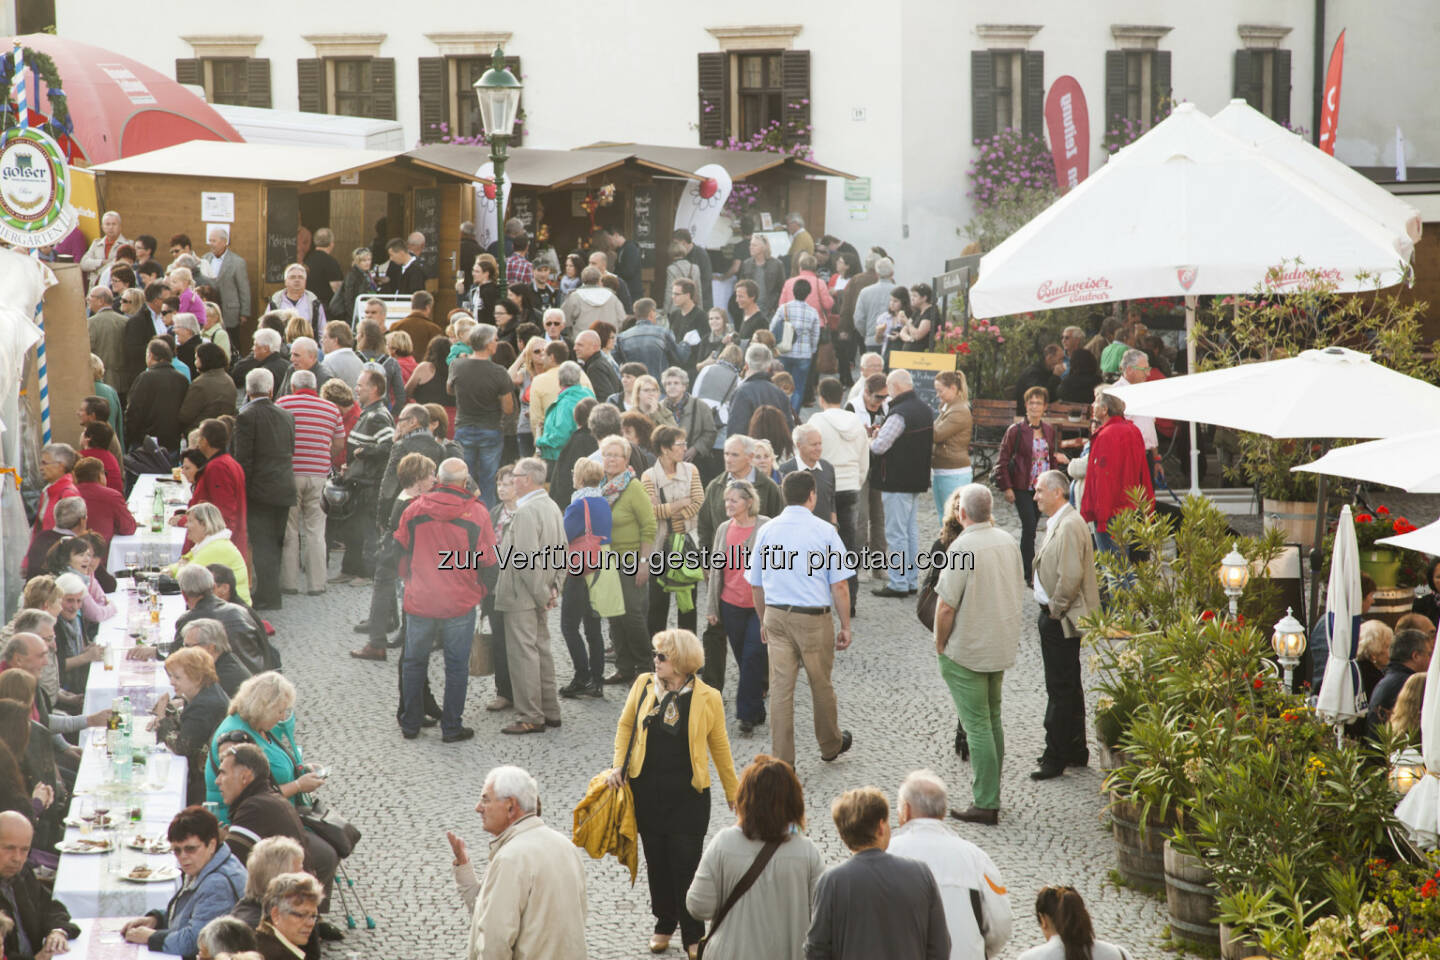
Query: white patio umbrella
point(1277, 143)
point(1341, 697)
point(1424, 540)
point(1410, 461)
point(1419, 809)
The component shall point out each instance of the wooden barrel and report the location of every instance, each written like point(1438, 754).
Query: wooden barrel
point(1139, 854)
point(1391, 603)
point(1234, 946)
point(1191, 899)
point(1294, 518)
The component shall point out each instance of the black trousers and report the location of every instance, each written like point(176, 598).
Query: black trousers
point(671, 860)
point(717, 645)
point(265, 525)
point(359, 535)
point(847, 518)
point(498, 657)
point(1065, 707)
point(627, 631)
point(1029, 520)
point(658, 611)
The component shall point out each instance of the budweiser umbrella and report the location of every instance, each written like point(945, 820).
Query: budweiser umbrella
point(1341, 698)
point(119, 107)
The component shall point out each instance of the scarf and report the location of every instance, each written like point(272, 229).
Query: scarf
point(612, 489)
point(667, 707)
point(584, 492)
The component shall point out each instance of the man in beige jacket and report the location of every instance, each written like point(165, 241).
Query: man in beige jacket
point(1066, 590)
point(532, 901)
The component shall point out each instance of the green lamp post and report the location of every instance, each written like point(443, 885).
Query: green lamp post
point(498, 92)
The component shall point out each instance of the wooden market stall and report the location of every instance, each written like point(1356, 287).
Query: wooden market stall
point(265, 193)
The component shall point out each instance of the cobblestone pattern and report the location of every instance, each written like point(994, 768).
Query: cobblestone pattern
point(404, 795)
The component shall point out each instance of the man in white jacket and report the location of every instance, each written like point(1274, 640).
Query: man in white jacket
point(845, 444)
point(532, 902)
point(977, 905)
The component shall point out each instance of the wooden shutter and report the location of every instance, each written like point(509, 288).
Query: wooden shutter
point(517, 136)
point(1245, 86)
point(311, 77)
point(1032, 100)
point(1160, 84)
point(714, 106)
point(982, 95)
point(382, 88)
point(1114, 89)
point(795, 74)
point(257, 82)
point(190, 71)
point(434, 99)
point(1280, 87)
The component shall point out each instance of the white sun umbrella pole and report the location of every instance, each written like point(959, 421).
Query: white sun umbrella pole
point(1341, 698)
point(1419, 809)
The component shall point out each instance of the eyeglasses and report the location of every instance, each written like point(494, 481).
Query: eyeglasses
point(307, 917)
point(659, 657)
point(554, 323)
point(188, 848)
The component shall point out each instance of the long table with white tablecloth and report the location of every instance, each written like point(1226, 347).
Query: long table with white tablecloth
point(151, 549)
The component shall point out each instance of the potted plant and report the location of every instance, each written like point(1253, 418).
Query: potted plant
point(1384, 564)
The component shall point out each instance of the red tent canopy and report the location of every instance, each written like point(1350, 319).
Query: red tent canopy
point(119, 106)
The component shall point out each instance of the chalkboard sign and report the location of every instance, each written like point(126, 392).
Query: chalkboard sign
point(923, 367)
point(645, 225)
point(282, 225)
point(427, 221)
point(522, 206)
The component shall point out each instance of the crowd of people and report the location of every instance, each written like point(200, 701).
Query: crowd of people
point(626, 447)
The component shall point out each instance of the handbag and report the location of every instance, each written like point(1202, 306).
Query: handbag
point(330, 826)
point(588, 545)
point(607, 598)
point(925, 606)
point(481, 662)
point(746, 882)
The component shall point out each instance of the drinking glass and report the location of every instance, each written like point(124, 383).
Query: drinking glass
point(157, 769)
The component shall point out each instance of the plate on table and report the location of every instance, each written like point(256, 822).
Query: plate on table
point(144, 874)
point(144, 844)
point(86, 845)
point(102, 823)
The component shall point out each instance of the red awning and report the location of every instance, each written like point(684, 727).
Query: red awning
point(119, 106)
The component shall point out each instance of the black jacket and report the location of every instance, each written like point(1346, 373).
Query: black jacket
point(278, 366)
point(39, 913)
point(259, 812)
point(187, 733)
point(153, 407)
point(757, 391)
point(627, 268)
point(562, 484)
point(604, 378)
point(249, 643)
point(264, 446)
point(139, 331)
point(416, 441)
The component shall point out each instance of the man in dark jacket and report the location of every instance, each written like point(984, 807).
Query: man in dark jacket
point(141, 329)
point(627, 261)
point(258, 810)
point(647, 342)
point(701, 258)
point(42, 924)
point(412, 435)
point(604, 377)
point(757, 391)
point(1410, 653)
point(903, 444)
point(264, 354)
point(367, 451)
point(264, 446)
point(243, 636)
point(153, 408)
point(582, 443)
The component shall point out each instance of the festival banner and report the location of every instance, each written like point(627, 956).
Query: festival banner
point(1068, 120)
point(1330, 112)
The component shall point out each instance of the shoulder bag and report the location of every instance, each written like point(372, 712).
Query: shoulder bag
point(588, 544)
point(757, 866)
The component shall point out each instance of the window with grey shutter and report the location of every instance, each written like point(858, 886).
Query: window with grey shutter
point(435, 99)
point(1032, 108)
point(795, 74)
point(1161, 103)
point(982, 94)
point(257, 82)
point(310, 75)
point(1280, 86)
point(1262, 78)
point(714, 97)
point(190, 71)
point(1116, 90)
point(517, 136)
point(1248, 85)
point(382, 73)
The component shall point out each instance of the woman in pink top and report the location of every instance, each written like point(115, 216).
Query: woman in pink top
point(182, 284)
point(730, 600)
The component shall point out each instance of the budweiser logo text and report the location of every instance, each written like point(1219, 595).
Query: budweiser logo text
point(1089, 290)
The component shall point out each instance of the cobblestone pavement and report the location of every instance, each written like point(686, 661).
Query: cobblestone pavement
point(404, 795)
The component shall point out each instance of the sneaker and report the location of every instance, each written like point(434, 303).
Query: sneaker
point(464, 733)
point(498, 704)
point(596, 690)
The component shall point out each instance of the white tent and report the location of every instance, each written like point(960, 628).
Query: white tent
point(1341, 698)
point(1277, 143)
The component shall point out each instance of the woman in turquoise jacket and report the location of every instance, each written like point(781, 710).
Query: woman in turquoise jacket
point(263, 709)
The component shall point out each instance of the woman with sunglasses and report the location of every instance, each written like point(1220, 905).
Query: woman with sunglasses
point(1069, 934)
point(669, 775)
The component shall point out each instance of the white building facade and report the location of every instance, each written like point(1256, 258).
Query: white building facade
point(895, 93)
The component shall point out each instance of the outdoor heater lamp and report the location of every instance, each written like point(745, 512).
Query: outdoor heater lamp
point(498, 92)
point(1234, 574)
point(1288, 641)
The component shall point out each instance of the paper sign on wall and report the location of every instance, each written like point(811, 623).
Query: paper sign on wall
point(217, 207)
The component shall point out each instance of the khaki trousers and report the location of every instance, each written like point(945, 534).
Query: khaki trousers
point(796, 640)
point(532, 667)
point(305, 537)
point(870, 525)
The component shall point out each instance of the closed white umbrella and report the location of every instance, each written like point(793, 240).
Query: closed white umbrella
point(1419, 809)
point(1410, 461)
point(1341, 697)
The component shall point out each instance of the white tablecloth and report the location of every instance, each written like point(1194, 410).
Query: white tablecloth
point(169, 543)
point(144, 677)
point(101, 940)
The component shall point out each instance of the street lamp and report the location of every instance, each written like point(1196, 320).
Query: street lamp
point(1234, 574)
point(1407, 768)
point(1288, 641)
point(498, 92)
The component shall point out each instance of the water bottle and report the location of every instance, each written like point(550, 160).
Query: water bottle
point(124, 767)
point(157, 510)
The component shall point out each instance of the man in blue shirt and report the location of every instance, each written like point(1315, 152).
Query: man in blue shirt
point(798, 573)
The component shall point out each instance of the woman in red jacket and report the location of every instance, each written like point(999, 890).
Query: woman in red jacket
point(1028, 449)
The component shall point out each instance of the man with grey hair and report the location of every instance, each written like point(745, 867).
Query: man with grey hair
point(977, 904)
point(526, 593)
point(213, 637)
point(75, 648)
point(873, 301)
point(591, 302)
point(559, 422)
point(319, 439)
point(246, 637)
point(305, 355)
point(447, 560)
point(1071, 339)
point(532, 902)
point(232, 279)
point(367, 450)
point(264, 354)
point(1135, 368)
point(264, 446)
point(1117, 466)
point(757, 390)
point(340, 355)
point(484, 393)
point(902, 448)
point(977, 634)
point(808, 443)
point(69, 517)
point(1067, 592)
point(31, 648)
point(871, 363)
point(107, 336)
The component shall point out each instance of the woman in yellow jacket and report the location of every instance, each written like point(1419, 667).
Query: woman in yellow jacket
point(670, 775)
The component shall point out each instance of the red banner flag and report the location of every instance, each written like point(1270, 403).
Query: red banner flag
point(1068, 121)
point(1330, 112)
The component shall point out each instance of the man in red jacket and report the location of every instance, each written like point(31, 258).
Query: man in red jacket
point(447, 553)
point(107, 512)
point(1117, 466)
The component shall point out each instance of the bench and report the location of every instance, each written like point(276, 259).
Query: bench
point(989, 420)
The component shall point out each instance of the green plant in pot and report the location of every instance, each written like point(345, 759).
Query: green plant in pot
point(1388, 566)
